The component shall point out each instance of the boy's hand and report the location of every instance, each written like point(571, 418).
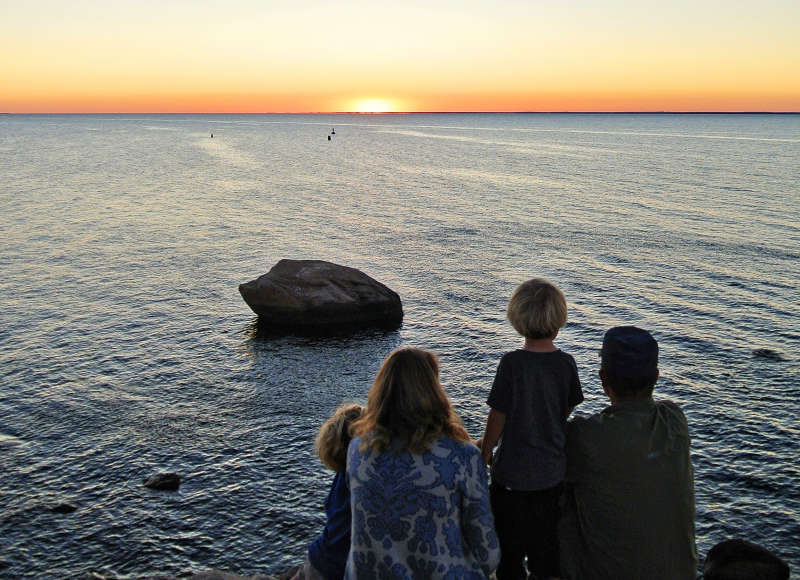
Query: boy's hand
point(485, 454)
point(491, 435)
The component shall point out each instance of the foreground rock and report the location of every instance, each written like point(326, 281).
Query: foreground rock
point(163, 481)
point(205, 575)
point(740, 560)
point(317, 295)
point(221, 575)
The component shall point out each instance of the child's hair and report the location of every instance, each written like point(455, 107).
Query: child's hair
point(334, 436)
point(537, 309)
point(407, 406)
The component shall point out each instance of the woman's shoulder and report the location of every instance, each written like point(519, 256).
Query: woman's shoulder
point(462, 448)
point(354, 451)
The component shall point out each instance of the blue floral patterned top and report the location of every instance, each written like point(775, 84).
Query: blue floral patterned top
point(420, 516)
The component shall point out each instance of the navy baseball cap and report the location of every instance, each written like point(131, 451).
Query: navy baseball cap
point(629, 352)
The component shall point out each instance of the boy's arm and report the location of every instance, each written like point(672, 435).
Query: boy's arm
point(494, 428)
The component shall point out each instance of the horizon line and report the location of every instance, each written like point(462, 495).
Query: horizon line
point(566, 112)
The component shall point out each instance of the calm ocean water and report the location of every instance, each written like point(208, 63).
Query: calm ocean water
point(125, 348)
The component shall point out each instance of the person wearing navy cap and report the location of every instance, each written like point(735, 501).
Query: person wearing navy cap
point(629, 501)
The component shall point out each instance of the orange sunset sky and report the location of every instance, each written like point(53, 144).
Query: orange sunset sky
point(87, 56)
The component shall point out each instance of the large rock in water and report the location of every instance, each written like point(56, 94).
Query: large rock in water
point(314, 295)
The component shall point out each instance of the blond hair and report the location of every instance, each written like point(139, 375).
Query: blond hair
point(537, 309)
point(334, 436)
point(407, 407)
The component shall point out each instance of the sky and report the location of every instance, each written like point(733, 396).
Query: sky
point(249, 56)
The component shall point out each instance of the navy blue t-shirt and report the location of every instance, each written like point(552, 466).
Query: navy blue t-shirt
point(535, 391)
point(328, 552)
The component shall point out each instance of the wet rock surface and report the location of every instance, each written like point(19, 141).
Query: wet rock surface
point(309, 295)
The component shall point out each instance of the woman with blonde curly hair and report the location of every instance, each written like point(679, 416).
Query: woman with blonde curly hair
point(419, 497)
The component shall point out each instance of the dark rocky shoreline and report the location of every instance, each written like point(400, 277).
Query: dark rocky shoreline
point(205, 575)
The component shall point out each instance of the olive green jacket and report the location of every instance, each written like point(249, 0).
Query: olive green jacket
point(629, 504)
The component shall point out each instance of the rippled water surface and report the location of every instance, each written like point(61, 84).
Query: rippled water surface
point(125, 348)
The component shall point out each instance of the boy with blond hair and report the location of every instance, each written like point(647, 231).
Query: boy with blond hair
point(534, 391)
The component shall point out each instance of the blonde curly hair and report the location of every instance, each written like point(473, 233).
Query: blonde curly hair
point(334, 436)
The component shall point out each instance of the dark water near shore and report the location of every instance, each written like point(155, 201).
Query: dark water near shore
point(125, 348)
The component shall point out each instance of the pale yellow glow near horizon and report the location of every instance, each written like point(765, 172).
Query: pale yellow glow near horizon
point(320, 55)
point(373, 106)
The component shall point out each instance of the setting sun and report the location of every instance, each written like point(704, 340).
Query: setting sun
point(374, 106)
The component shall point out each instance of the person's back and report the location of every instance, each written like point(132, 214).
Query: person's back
point(631, 493)
point(407, 508)
point(629, 511)
point(536, 392)
point(419, 498)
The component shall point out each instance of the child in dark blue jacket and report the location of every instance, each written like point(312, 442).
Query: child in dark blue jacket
point(327, 554)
